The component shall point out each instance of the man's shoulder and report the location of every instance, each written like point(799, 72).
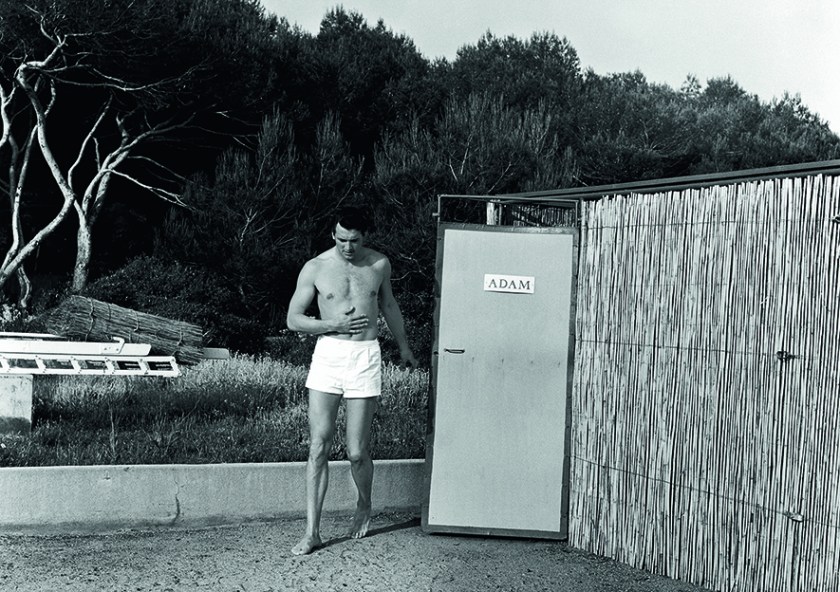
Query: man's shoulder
point(314, 265)
point(319, 259)
point(376, 258)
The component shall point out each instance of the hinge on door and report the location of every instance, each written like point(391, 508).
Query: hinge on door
point(784, 356)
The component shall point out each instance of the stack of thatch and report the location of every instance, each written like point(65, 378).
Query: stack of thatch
point(86, 319)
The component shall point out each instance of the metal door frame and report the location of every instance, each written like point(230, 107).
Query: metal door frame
point(562, 534)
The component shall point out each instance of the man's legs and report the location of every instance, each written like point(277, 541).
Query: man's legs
point(359, 418)
point(323, 409)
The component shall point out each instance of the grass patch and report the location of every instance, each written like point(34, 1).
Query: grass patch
point(239, 410)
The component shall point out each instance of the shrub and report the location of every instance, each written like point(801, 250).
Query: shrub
point(186, 293)
point(290, 347)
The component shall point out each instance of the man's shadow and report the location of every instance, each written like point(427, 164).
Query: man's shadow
point(411, 523)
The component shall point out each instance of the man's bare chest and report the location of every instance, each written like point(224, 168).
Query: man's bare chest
point(348, 283)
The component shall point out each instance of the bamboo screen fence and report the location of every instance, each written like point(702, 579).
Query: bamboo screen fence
point(700, 449)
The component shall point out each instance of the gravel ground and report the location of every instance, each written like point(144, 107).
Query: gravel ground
point(396, 556)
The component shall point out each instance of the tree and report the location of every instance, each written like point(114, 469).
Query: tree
point(631, 129)
point(372, 79)
point(107, 82)
point(735, 130)
point(792, 133)
point(478, 147)
point(260, 216)
point(19, 157)
point(543, 70)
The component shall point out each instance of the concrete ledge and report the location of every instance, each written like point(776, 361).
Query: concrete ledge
point(84, 499)
point(16, 404)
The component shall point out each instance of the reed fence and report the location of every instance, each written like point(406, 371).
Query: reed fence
point(701, 448)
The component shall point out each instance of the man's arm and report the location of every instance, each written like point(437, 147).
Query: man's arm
point(297, 320)
point(393, 317)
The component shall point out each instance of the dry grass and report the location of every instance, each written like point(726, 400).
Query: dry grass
point(238, 410)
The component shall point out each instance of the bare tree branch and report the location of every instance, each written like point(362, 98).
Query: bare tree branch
point(168, 196)
point(89, 137)
point(6, 98)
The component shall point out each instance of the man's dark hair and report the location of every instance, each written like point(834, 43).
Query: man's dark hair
point(354, 218)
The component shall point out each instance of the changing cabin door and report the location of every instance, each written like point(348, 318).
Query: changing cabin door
point(497, 449)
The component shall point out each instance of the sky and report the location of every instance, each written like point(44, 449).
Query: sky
point(768, 47)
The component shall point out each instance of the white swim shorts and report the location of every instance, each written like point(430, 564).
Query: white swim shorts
point(343, 367)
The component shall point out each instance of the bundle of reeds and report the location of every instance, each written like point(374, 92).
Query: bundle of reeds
point(87, 319)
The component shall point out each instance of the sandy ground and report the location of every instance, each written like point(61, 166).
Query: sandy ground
point(396, 556)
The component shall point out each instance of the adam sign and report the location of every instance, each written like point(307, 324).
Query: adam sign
point(518, 284)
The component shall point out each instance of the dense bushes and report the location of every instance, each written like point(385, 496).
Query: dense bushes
point(186, 293)
point(194, 294)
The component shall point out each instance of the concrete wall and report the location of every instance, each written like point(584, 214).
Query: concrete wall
point(96, 498)
point(16, 404)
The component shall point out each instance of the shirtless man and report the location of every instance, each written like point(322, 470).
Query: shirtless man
point(352, 284)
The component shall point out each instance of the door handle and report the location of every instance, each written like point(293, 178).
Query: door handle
point(453, 351)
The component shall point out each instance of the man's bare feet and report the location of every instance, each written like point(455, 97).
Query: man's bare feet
point(361, 523)
point(306, 545)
